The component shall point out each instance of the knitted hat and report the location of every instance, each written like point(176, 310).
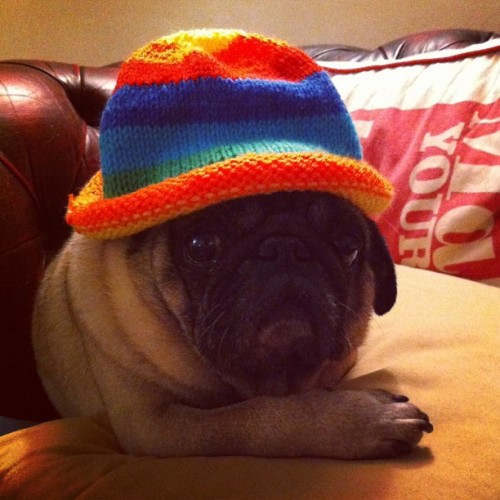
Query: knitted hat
point(206, 116)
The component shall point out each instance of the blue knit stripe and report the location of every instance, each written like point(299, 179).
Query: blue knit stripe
point(154, 146)
point(217, 99)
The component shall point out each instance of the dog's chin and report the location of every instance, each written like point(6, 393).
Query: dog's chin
point(282, 354)
point(278, 348)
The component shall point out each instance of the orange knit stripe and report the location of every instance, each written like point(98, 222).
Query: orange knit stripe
point(89, 213)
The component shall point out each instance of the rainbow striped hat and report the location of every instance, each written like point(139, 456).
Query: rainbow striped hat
point(205, 116)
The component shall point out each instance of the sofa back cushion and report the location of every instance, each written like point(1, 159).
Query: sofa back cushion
point(431, 124)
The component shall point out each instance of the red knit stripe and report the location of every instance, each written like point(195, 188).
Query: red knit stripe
point(274, 62)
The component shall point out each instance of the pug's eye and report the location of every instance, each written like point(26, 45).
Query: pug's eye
point(202, 248)
point(348, 248)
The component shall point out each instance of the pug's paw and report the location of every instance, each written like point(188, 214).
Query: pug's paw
point(397, 424)
point(372, 424)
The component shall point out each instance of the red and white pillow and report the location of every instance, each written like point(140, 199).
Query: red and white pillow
point(431, 124)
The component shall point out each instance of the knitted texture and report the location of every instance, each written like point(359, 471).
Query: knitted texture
point(205, 116)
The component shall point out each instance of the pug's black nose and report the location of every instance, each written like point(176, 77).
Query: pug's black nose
point(283, 249)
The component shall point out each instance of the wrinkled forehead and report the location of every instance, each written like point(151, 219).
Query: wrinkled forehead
point(310, 207)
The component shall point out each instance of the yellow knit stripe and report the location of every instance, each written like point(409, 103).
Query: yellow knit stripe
point(186, 42)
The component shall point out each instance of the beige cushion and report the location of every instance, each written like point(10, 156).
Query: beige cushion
point(440, 346)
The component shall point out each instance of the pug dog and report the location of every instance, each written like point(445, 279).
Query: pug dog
point(226, 331)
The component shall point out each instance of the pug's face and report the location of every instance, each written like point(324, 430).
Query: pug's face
point(275, 286)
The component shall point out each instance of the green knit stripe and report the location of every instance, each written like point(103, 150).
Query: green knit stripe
point(130, 180)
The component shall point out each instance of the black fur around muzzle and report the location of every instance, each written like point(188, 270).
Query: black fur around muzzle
point(277, 283)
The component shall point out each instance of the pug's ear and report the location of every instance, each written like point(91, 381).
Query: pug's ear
point(383, 269)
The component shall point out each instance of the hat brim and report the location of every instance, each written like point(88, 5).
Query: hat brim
point(108, 218)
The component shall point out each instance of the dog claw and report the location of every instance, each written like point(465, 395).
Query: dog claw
point(400, 398)
point(427, 427)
